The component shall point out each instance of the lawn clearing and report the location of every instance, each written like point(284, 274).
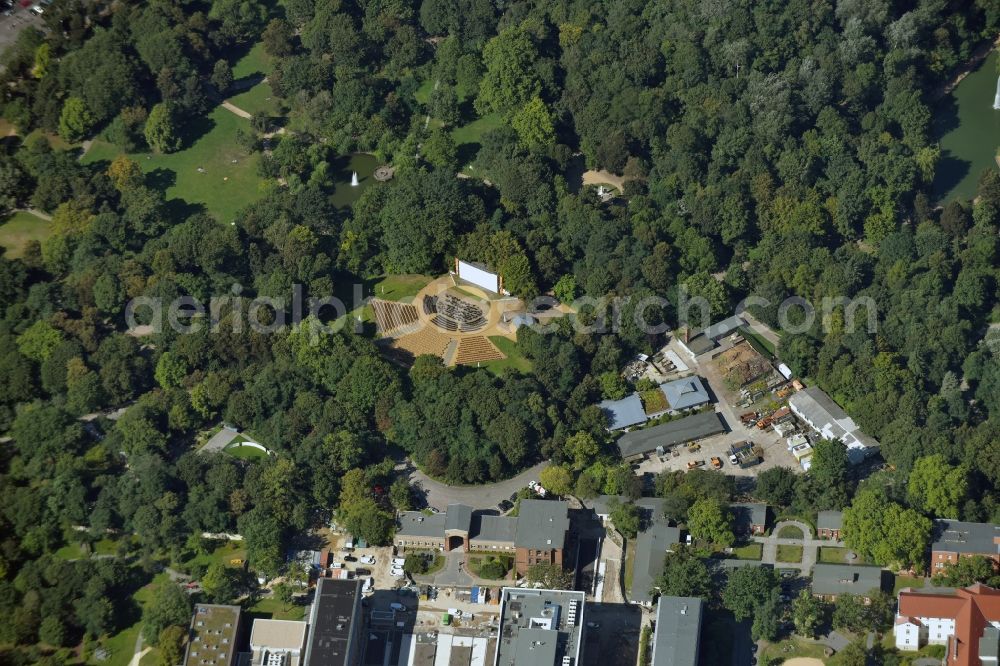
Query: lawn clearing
point(468, 139)
point(789, 532)
point(515, 359)
point(792, 648)
point(223, 188)
point(255, 62)
point(789, 554)
point(901, 582)
point(833, 555)
point(245, 452)
point(751, 551)
point(423, 93)
point(274, 609)
point(259, 99)
point(497, 563)
point(19, 229)
point(400, 288)
point(225, 553)
point(121, 646)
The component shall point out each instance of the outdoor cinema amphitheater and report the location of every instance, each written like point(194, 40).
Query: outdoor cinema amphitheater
point(453, 317)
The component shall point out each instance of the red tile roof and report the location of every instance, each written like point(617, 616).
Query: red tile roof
point(972, 609)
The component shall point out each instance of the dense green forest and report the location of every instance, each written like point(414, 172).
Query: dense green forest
point(786, 146)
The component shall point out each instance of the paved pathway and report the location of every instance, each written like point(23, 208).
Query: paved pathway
point(810, 546)
point(760, 328)
point(37, 213)
point(232, 108)
point(485, 496)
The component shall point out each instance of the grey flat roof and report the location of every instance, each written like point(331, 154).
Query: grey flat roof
point(960, 537)
point(724, 327)
point(623, 413)
point(672, 433)
point(746, 514)
point(332, 622)
point(650, 550)
point(602, 504)
point(458, 517)
point(541, 524)
point(840, 579)
point(536, 627)
point(678, 631)
point(415, 523)
point(685, 393)
point(699, 344)
point(493, 528)
point(829, 520)
point(827, 418)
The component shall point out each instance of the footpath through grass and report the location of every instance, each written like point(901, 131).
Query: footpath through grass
point(20, 228)
point(229, 179)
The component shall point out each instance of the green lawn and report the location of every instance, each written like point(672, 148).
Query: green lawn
point(789, 554)
point(629, 565)
point(468, 137)
point(790, 532)
point(245, 452)
point(400, 287)
point(71, 551)
point(515, 359)
point(122, 645)
point(476, 563)
point(255, 62)
point(274, 609)
point(758, 341)
point(791, 648)
point(832, 555)
point(223, 188)
point(18, 229)
point(751, 551)
point(55, 140)
point(900, 582)
point(423, 93)
point(225, 553)
point(259, 99)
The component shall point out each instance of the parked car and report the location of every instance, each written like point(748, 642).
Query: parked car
point(396, 562)
point(37, 10)
point(350, 558)
point(716, 462)
point(505, 506)
point(366, 559)
point(360, 571)
point(696, 463)
point(396, 572)
point(513, 497)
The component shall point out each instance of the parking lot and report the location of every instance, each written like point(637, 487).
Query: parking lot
point(12, 25)
point(772, 444)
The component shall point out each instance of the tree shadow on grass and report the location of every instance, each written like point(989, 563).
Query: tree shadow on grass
point(179, 210)
point(195, 129)
point(160, 178)
point(467, 153)
point(245, 83)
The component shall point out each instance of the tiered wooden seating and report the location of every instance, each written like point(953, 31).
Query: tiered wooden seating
point(427, 340)
point(392, 317)
point(475, 349)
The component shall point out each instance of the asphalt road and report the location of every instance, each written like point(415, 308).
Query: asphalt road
point(485, 496)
